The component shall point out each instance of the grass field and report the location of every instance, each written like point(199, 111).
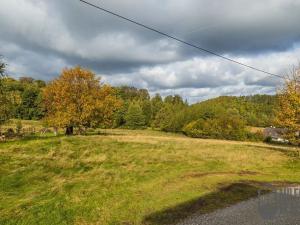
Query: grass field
point(132, 177)
point(26, 124)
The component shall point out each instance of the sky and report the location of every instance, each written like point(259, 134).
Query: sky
point(39, 38)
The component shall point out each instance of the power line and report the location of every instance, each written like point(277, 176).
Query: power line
point(179, 40)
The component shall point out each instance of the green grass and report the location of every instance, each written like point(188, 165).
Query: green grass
point(25, 124)
point(132, 177)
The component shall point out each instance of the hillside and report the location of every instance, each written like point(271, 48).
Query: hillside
point(132, 177)
point(256, 110)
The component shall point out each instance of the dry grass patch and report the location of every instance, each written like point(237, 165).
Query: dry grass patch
point(123, 177)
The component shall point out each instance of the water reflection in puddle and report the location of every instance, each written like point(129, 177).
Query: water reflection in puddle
point(280, 203)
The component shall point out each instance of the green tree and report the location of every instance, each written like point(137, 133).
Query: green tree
point(171, 116)
point(163, 117)
point(175, 100)
point(26, 80)
point(128, 96)
point(119, 116)
point(132, 94)
point(30, 106)
point(26, 97)
point(134, 117)
point(156, 105)
point(147, 110)
point(40, 83)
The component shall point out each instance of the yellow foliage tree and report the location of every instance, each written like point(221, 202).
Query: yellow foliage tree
point(5, 98)
point(77, 99)
point(288, 112)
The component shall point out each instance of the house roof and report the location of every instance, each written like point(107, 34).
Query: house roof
point(273, 132)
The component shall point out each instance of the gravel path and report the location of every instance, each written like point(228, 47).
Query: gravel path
point(271, 209)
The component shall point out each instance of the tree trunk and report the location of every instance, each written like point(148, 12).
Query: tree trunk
point(69, 130)
point(55, 131)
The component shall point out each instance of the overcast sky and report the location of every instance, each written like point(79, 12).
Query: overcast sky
point(39, 38)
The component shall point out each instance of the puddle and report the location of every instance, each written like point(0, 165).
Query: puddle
point(280, 203)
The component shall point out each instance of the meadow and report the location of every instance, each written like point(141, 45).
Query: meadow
point(132, 177)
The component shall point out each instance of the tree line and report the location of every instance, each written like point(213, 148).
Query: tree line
point(78, 100)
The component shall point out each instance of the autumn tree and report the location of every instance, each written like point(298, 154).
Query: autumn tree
point(288, 112)
point(5, 103)
point(77, 99)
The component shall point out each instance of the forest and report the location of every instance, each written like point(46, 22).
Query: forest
point(225, 117)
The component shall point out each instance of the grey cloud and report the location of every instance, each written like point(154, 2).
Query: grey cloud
point(209, 72)
point(24, 63)
point(39, 38)
point(266, 82)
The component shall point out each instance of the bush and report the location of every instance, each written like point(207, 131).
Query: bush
point(227, 126)
point(257, 136)
point(9, 133)
point(268, 139)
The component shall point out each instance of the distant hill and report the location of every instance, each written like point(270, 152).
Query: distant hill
point(256, 110)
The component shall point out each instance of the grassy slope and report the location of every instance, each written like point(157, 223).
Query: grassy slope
point(129, 177)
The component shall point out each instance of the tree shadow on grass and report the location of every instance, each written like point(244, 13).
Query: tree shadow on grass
point(223, 197)
point(102, 133)
point(36, 137)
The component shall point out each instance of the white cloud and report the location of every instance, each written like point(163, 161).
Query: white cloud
point(200, 78)
point(39, 38)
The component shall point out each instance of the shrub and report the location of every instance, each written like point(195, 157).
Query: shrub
point(227, 126)
point(257, 136)
point(9, 133)
point(268, 139)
